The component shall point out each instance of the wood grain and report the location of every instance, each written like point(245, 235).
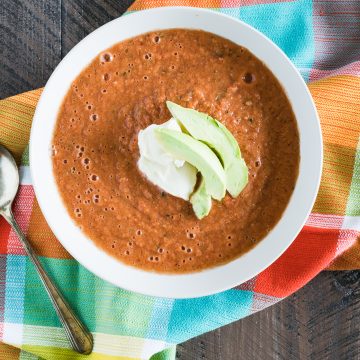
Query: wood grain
point(319, 322)
point(80, 17)
point(30, 43)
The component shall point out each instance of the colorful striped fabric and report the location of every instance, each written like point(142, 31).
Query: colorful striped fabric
point(322, 38)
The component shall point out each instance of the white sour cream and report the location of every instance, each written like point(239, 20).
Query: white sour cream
point(174, 176)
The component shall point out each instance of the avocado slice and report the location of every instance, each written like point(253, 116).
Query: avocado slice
point(210, 131)
point(184, 147)
point(201, 201)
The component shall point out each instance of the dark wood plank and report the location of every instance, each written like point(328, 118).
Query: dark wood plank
point(319, 322)
point(30, 43)
point(80, 17)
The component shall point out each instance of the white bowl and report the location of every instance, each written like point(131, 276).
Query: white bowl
point(208, 281)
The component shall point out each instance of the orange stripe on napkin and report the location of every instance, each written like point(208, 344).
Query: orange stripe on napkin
point(147, 4)
point(8, 352)
point(338, 105)
point(42, 238)
point(16, 115)
point(336, 179)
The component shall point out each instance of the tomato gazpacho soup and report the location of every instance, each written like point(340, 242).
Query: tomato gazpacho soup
point(124, 90)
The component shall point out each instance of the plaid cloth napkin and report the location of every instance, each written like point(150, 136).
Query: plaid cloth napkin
point(322, 38)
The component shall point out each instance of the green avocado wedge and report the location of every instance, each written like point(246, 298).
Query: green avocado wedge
point(201, 201)
point(210, 131)
point(184, 147)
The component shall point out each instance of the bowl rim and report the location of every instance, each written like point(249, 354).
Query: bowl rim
point(188, 285)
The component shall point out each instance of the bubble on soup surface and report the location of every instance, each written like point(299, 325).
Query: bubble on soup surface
point(94, 177)
point(78, 212)
point(94, 117)
point(248, 78)
point(106, 57)
point(156, 39)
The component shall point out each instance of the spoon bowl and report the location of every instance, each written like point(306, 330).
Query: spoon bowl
point(9, 178)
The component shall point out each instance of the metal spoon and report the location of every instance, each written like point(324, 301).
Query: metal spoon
point(80, 338)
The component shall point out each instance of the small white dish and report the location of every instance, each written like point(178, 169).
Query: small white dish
point(208, 281)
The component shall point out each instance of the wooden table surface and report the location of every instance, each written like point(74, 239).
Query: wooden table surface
point(321, 321)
